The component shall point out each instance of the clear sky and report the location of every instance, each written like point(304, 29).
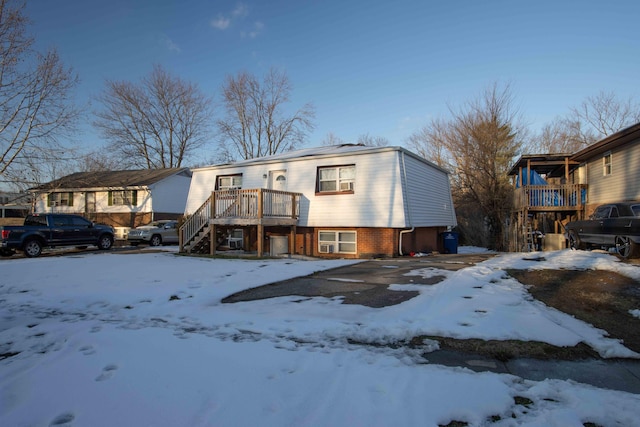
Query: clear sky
point(378, 67)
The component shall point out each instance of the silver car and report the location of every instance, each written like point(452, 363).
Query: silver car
point(155, 233)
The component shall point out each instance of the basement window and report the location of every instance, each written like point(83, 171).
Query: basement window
point(343, 242)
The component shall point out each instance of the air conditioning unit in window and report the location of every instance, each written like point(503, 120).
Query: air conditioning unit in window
point(326, 249)
point(346, 186)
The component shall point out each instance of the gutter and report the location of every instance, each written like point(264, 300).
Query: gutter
point(404, 183)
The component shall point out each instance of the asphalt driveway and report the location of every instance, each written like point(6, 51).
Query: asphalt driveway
point(365, 283)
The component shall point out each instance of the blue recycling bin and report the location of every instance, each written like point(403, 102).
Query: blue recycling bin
point(450, 242)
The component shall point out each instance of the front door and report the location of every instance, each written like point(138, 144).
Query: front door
point(278, 180)
point(90, 203)
point(276, 203)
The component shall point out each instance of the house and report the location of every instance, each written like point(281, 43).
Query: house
point(347, 201)
point(123, 199)
point(14, 207)
point(553, 189)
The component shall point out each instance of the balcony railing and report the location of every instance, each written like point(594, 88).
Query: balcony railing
point(551, 197)
point(255, 204)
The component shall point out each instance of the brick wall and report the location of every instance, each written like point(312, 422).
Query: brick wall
point(373, 242)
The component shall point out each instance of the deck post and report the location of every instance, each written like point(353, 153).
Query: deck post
point(260, 240)
point(212, 239)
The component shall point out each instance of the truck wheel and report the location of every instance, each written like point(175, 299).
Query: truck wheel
point(105, 242)
point(155, 240)
point(574, 241)
point(625, 247)
point(32, 248)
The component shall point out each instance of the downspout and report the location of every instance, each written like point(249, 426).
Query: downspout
point(404, 183)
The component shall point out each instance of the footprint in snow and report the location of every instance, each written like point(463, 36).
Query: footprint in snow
point(107, 372)
point(62, 420)
point(87, 350)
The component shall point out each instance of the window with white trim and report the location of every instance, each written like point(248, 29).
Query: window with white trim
point(229, 182)
point(336, 179)
point(343, 242)
point(606, 164)
point(123, 198)
point(60, 199)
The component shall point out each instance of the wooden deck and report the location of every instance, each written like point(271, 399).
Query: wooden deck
point(550, 198)
point(252, 207)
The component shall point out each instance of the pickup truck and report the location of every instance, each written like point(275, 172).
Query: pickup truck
point(614, 225)
point(52, 230)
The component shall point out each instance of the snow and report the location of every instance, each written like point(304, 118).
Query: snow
point(108, 339)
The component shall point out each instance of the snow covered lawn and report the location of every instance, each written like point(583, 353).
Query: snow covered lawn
point(107, 339)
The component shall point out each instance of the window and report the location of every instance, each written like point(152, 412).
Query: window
point(337, 242)
point(60, 199)
point(606, 164)
point(337, 179)
point(123, 198)
point(229, 182)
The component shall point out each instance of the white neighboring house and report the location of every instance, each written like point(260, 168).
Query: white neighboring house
point(122, 199)
point(340, 201)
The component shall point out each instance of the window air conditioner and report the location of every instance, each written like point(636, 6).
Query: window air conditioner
point(326, 249)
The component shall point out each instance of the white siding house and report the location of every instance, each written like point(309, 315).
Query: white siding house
point(123, 199)
point(365, 195)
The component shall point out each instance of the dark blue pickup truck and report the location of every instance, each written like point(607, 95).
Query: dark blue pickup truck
point(52, 230)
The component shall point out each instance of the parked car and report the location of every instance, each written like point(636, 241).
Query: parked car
point(614, 225)
point(155, 233)
point(53, 230)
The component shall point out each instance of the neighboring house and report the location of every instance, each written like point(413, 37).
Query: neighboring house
point(552, 189)
point(347, 201)
point(123, 199)
point(14, 207)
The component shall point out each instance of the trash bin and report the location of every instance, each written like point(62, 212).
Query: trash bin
point(450, 242)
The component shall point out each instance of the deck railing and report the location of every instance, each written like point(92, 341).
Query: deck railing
point(252, 204)
point(551, 197)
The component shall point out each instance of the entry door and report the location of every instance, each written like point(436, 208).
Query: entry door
point(90, 202)
point(276, 203)
point(278, 180)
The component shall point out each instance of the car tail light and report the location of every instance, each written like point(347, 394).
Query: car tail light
point(5, 234)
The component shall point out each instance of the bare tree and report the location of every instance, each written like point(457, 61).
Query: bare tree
point(257, 123)
point(159, 123)
point(604, 114)
point(595, 118)
point(36, 109)
point(478, 144)
point(373, 141)
point(332, 139)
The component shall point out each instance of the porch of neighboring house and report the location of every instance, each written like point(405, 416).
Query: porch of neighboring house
point(252, 210)
point(544, 201)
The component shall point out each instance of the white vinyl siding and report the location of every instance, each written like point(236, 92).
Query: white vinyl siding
point(378, 199)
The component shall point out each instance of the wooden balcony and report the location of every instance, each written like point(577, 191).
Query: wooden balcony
point(255, 207)
point(551, 198)
point(260, 207)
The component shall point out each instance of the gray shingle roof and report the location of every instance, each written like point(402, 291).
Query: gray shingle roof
point(111, 179)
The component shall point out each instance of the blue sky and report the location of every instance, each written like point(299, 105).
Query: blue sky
point(382, 68)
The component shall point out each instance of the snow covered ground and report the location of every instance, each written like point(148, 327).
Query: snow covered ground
point(108, 339)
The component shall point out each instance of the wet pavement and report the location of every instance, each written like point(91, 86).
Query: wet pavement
point(366, 283)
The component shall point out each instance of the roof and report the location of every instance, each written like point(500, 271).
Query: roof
point(544, 164)
point(111, 179)
point(323, 151)
point(553, 164)
point(612, 141)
